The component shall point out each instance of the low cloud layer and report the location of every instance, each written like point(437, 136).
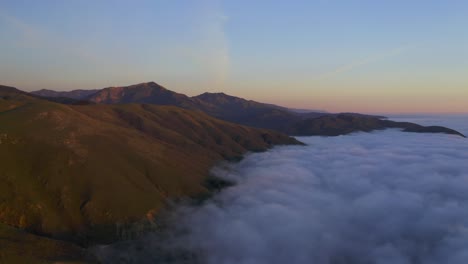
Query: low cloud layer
point(384, 197)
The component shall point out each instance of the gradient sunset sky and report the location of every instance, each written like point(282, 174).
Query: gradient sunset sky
point(370, 56)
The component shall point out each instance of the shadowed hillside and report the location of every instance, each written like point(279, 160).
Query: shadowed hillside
point(248, 112)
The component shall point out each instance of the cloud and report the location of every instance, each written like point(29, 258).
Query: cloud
point(384, 197)
point(365, 61)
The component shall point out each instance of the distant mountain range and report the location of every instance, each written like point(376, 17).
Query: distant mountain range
point(75, 94)
point(296, 122)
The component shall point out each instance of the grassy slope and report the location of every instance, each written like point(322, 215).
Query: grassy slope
point(77, 173)
point(17, 246)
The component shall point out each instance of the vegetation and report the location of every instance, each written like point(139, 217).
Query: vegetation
point(82, 173)
point(19, 246)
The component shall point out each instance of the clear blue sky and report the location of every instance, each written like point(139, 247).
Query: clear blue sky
point(369, 56)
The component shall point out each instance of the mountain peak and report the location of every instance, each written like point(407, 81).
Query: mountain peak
point(218, 97)
point(146, 84)
point(147, 92)
point(214, 94)
point(151, 83)
point(139, 85)
point(44, 90)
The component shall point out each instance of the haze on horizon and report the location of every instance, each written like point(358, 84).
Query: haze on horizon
point(362, 56)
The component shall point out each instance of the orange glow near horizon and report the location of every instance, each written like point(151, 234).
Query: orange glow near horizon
point(398, 101)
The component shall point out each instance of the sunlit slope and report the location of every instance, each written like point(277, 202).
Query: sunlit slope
point(78, 172)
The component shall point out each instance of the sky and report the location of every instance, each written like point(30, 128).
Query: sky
point(370, 56)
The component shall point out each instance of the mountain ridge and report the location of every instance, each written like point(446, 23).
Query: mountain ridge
point(256, 114)
point(73, 94)
point(82, 173)
point(149, 92)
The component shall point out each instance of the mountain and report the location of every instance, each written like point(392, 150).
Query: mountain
point(84, 173)
point(150, 93)
point(254, 114)
point(228, 103)
point(73, 175)
point(8, 90)
point(300, 122)
point(246, 112)
point(219, 105)
point(303, 111)
point(74, 94)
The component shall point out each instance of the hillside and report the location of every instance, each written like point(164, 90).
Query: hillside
point(248, 112)
point(149, 93)
point(19, 246)
point(82, 173)
point(74, 94)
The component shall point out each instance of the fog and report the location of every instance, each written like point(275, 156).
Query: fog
point(381, 197)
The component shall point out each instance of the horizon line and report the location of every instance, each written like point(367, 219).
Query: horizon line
point(285, 106)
